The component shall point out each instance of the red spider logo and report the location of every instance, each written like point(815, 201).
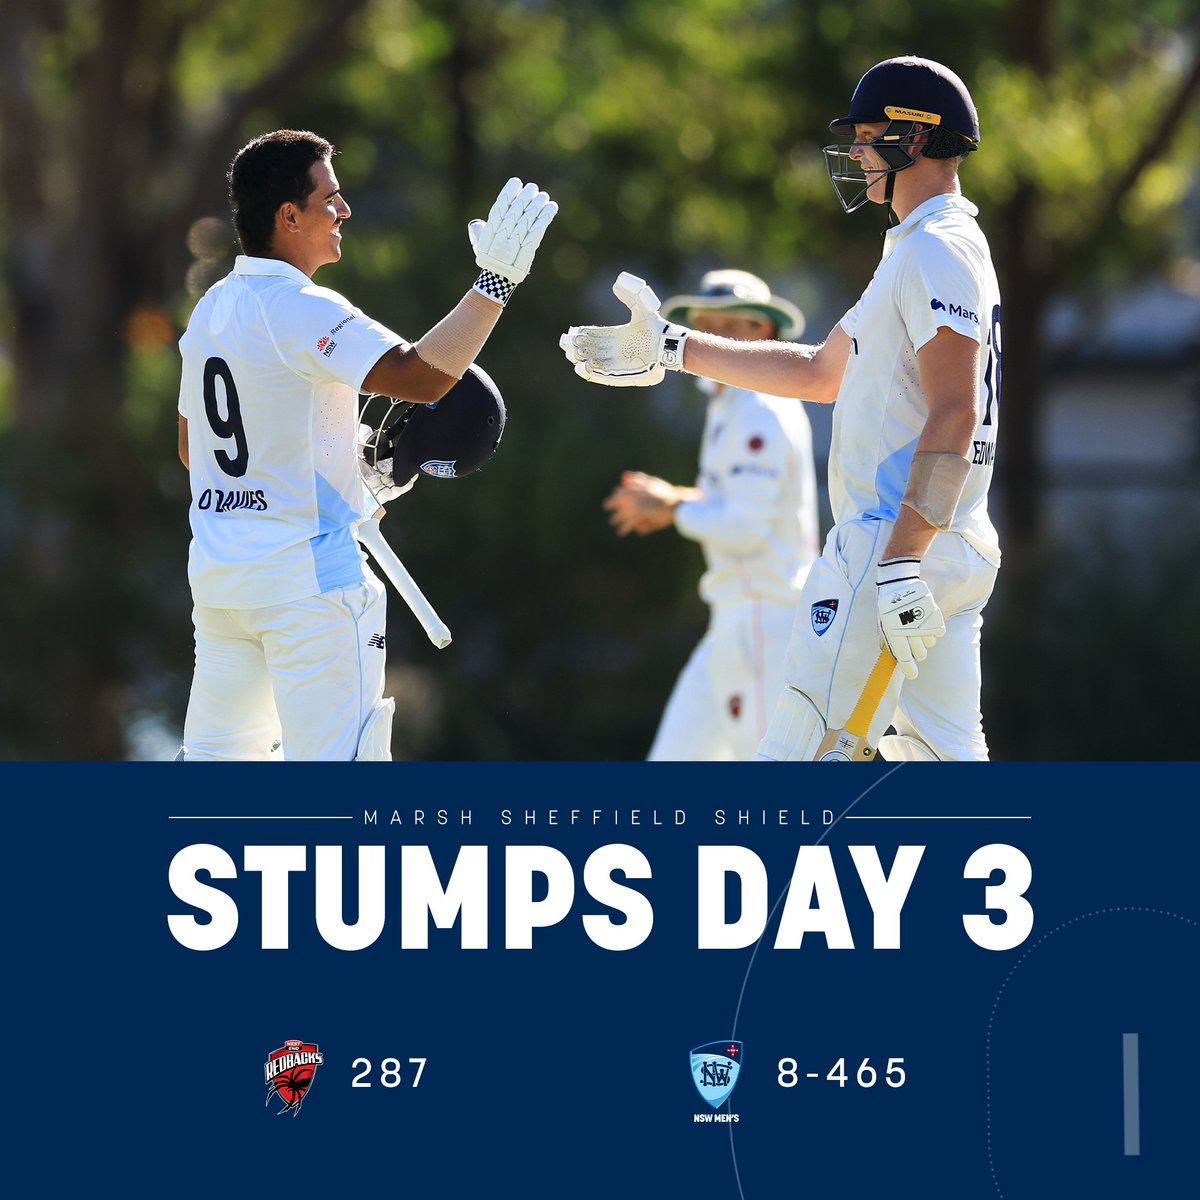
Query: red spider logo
point(290, 1087)
point(289, 1073)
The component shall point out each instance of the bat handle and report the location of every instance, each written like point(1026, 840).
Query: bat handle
point(872, 694)
point(371, 537)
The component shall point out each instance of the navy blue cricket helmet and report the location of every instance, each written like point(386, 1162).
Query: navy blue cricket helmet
point(911, 94)
point(449, 439)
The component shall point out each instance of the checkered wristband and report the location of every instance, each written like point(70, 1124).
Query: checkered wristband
point(494, 287)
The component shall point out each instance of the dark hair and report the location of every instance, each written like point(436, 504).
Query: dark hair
point(269, 171)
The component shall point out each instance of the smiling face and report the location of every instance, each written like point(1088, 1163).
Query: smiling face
point(308, 236)
point(873, 167)
point(885, 163)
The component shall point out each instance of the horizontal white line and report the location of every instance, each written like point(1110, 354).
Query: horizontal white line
point(215, 817)
point(972, 817)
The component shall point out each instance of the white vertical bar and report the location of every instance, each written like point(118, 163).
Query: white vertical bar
point(1133, 1129)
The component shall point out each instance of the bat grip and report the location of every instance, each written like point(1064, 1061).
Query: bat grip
point(872, 694)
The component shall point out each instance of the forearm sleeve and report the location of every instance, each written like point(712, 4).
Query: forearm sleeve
point(453, 344)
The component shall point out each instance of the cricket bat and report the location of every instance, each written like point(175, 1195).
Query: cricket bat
point(371, 537)
point(849, 744)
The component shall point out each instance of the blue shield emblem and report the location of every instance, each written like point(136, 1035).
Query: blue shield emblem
point(822, 615)
point(715, 1069)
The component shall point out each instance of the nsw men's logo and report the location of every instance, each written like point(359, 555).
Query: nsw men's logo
point(440, 468)
point(715, 1070)
point(290, 1071)
point(822, 616)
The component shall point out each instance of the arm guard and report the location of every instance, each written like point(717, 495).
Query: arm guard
point(935, 482)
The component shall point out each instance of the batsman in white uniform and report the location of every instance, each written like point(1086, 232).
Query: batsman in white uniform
point(289, 617)
point(753, 510)
point(915, 369)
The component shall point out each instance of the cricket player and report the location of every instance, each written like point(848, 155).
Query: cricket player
point(753, 510)
point(915, 369)
point(289, 617)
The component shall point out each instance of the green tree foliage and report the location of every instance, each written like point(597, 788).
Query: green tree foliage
point(675, 136)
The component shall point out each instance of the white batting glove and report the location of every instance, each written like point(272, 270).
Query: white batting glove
point(635, 355)
point(505, 243)
point(377, 477)
point(909, 618)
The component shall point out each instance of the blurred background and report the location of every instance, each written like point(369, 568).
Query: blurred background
point(676, 137)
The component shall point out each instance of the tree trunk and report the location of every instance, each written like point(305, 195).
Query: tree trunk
point(1024, 286)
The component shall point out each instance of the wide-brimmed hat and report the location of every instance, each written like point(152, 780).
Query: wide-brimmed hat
point(741, 292)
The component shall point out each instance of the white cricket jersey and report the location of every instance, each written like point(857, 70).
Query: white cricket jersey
point(272, 369)
point(757, 523)
point(936, 271)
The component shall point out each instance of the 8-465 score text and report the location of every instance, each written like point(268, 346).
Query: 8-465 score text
point(866, 1075)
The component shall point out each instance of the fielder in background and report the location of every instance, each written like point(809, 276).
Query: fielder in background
point(915, 369)
point(289, 616)
point(754, 512)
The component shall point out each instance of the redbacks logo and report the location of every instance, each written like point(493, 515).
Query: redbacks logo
point(290, 1071)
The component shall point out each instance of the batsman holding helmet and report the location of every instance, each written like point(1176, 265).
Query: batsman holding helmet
point(914, 368)
point(289, 617)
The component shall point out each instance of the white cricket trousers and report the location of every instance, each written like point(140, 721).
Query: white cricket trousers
point(835, 642)
point(310, 672)
point(724, 696)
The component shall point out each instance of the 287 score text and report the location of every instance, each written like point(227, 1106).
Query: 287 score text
point(391, 1073)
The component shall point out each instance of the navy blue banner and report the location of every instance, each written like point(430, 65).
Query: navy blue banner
point(736, 982)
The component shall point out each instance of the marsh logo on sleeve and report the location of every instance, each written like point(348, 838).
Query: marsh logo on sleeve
point(715, 1070)
point(822, 615)
point(290, 1071)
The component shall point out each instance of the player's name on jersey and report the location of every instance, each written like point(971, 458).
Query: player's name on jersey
point(242, 500)
point(539, 886)
point(983, 453)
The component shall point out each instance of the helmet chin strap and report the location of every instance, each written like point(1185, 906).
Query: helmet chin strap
point(906, 146)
